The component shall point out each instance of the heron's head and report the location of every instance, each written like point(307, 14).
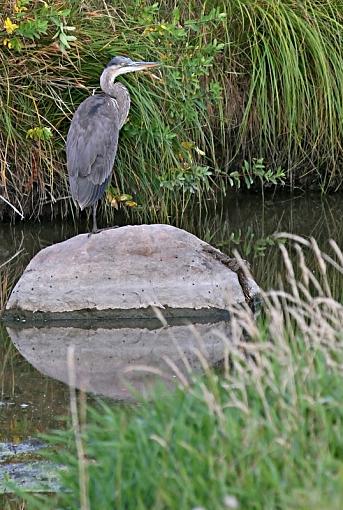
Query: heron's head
point(123, 65)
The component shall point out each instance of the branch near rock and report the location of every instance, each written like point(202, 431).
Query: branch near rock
point(239, 266)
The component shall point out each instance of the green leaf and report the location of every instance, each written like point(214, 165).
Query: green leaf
point(124, 197)
point(39, 133)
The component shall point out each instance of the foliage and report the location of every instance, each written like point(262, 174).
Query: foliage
point(115, 198)
point(187, 180)
point(39, 133)
point(34, 20)
point(248, 93)
point(256, 169)
point(248, 243)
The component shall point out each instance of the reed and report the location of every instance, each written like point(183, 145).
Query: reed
point(11, 502)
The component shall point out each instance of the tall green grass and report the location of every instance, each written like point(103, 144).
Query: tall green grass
point(238, 81)
point(262, 432)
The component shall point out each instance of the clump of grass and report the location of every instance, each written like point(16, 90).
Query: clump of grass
point(293, 52)
point(11, 502)
point(238, 82)
point(263, 433)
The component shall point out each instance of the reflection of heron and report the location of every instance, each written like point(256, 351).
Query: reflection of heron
point(93, 134)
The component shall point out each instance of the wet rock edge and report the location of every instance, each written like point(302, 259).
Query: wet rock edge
point(17, 315)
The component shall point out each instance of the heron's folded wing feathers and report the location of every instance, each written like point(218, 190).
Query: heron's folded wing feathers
point(91, 147)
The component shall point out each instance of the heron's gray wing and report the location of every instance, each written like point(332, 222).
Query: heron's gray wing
point(91, 148)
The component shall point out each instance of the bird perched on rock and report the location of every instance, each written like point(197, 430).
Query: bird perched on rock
point(93, 134)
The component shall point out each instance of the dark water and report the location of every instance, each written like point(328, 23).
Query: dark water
point(30, 403)
point(33, 393)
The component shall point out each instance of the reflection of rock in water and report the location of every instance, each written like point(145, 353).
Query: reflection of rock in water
point(112, 362)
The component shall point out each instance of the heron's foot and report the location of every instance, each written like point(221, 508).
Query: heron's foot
point(94, 231)
point(113, 226)
point(98, 230)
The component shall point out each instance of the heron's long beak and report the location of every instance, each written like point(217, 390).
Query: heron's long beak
point(139, 66)
point(115, 71)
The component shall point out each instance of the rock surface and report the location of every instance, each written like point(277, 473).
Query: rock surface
point(37, 476)
point(125, 271)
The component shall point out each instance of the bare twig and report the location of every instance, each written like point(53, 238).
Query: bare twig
point(12, 206)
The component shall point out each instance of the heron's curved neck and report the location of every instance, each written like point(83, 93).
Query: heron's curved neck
point(117, 91)
point(107, 81)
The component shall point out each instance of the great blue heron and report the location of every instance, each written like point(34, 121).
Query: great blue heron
point(93, 134)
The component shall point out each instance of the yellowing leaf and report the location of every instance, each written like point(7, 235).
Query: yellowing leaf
point(19, 8)
point(188, 145)
point(199, 151)
point(148, 30)
point(7, 42)
point(131, 203)
point(9, 26)
point(114, 203)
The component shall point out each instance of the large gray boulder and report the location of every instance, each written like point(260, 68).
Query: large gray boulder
point(127, 272)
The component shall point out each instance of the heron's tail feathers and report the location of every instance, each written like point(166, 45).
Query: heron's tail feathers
point(85, 192)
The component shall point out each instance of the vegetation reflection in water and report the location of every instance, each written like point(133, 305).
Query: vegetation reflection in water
point(30, 402)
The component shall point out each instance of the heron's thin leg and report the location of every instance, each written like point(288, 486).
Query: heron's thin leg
point(95, 228)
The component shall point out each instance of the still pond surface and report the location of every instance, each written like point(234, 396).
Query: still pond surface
point(33, 372)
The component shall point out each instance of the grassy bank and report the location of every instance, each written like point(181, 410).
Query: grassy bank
point(238, 82)
point(264, 432)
